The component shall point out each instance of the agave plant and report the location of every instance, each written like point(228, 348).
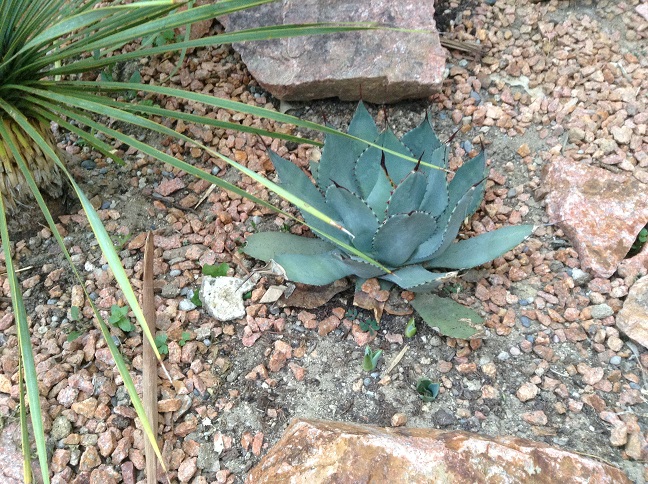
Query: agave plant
point(402, 216)
point(45, 47)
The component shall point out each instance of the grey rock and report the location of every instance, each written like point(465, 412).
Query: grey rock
point(580, 277)
point(378, 66)
point(61, 428)
point(208, 458)
point(601, 311)
point(186, 305)
point(443, 418)
point(170, 290)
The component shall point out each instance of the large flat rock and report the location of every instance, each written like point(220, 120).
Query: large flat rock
point(601, 212)
point(326, 452)
point(376, 66)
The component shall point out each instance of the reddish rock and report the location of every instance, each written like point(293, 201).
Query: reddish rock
point(601, 212)
point(326, 452)
point(376, 66)
point(281, 353)
point(633, 317)
point(167, 187)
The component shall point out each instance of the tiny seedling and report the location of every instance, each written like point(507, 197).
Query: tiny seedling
point(370, 325)
point(219, 270)
point(119, 317)
point(351, 314)
point(186, 336)
point(427, 389)
point(371, 358)
point(247, 295)
point(72, 335)
point(410, 329)
point(161, 343)
point(74, 313)
point(640, 241)
point(195, 298)
point(121, 240)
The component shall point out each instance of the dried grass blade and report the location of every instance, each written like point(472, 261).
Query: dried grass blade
point(149, 363)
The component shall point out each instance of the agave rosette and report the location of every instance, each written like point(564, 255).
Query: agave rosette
point(403, 216)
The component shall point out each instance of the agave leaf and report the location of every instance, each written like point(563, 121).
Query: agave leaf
point(417, 279)
point(449, 225)
point(451, 318)
point(340, 153)
point(368, 167)
point(422, 141)
point(399, 236)
point(315, 269)
point(468, 176)
point(407, 196)
point(268, 245)
point(380, 194)
point(482, 248)
point(360, 268)
point(355, 215)
point(294, 180)
point(435, 200)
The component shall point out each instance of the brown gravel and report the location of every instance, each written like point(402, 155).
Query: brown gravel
point(559, 79)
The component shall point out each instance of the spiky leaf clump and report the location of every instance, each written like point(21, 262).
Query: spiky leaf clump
point(402, 214)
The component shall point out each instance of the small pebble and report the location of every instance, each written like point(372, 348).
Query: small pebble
point(526, 322)
point(530, 338)
point(515, 351)
point(105, 205)
point(88, 164)
point(175, 273)
point(615, 360)
point(186, 305)
point(503, 356)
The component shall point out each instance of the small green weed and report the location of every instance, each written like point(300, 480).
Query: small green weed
point(186, 336)
point(371, 358)
point(161, 38)
point(370, 325)
point(119, 317)
point(351, 314)
point(410, 329)
point(219, 270)
point(639, 242)
point(161, 343)
point(427, 389)
point(195, 298)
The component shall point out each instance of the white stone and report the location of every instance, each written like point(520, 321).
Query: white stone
point(222, 297)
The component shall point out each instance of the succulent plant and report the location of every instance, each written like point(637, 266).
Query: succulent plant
point(393, 204)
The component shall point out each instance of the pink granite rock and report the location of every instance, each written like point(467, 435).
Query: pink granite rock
point(601, 212)
point(377, 66)
point(633, 317)
point(327, 452)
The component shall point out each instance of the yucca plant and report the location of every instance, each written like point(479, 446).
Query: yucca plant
point(45, 47)
point(403, 216)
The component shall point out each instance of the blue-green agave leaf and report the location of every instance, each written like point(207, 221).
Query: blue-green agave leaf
point(400, 235)
point(340, 154)
point(293, 179)
point(482, 248)
point(379, 196)
point(315, 269)
point(397, 167)
point(314, 167)
point(422, 140)
point(360, 268)
point(449, 224)
point(355, 214)
point(435, 200)
point(268, 245)
point(407, 196)
point(448, 316)
point(417, 279)
point(466, 177)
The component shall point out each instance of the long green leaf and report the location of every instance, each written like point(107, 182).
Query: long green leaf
point(215, 102)
point(24, 340)
point(128, 382)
